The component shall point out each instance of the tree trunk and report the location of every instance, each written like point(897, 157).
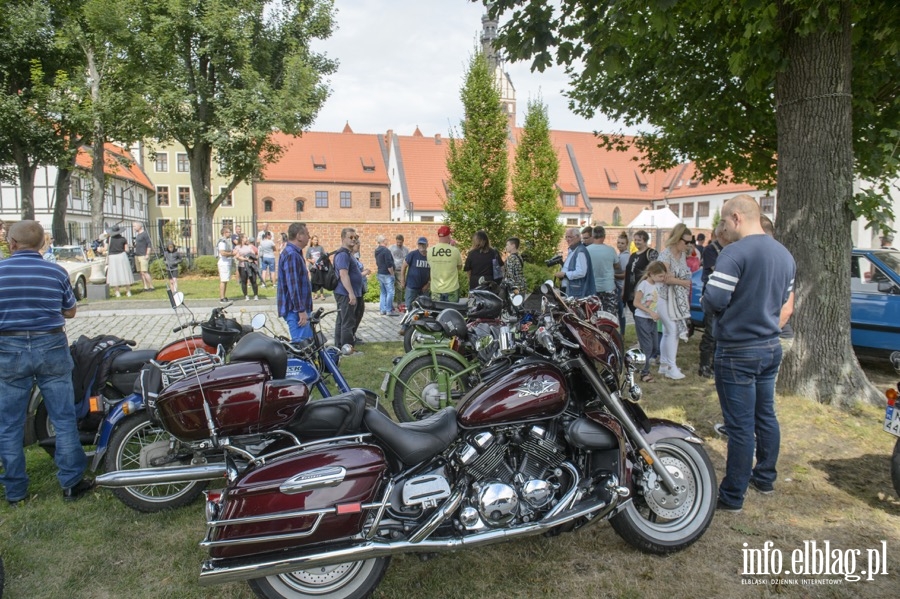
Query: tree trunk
point(63, 181)
point(98, 174)
point(200, 155)
point(26, 170)
point(815, 178)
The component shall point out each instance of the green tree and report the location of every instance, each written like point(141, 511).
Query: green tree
point(221, 75)
point(708, 76)
point(534, 188)
point(477, 159)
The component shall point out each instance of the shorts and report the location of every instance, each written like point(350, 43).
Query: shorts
point(224, 272)
point(268, 264)
point(143, 263)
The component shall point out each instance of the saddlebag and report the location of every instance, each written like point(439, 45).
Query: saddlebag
point(243, 400)
point(318, 493)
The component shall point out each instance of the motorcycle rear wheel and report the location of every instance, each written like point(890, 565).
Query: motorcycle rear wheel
point(420, 397)
point(657, 524)
point(135, 436)
point(351, 580)
point(895, 468)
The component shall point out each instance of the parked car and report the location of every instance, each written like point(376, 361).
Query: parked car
point(874, 300)
point(76, 263)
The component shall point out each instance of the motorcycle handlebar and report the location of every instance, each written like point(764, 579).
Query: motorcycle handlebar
point(186, 325)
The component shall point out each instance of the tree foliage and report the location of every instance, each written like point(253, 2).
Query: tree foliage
point(534, 191)
point(221, 75)
point(802, 92)
point(477, 159)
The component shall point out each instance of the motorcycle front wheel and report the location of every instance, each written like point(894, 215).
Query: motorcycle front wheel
point(895, 468)
point(656, 521)
point(351, 580)
point(420, 391)
point(134, 443)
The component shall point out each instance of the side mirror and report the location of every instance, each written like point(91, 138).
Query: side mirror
point(258, 322)
point(176, 299)
point(517, 300)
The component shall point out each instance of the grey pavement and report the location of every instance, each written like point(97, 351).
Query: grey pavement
point(150, 322)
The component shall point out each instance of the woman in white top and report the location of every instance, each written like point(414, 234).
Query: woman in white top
point(674, 299)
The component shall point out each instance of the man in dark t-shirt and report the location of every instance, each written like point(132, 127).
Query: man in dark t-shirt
point(750, 294)
point(142, 255)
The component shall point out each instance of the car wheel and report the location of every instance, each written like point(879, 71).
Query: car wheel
point(80, 288)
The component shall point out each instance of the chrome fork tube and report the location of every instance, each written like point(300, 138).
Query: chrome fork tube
point(618, 410)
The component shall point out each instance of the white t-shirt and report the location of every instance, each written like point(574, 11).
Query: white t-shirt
point(650, 298)
point(225, 246)
point(267, 248)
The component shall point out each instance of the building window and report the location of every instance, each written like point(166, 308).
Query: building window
point(184, 196)
point(375, 199)
point(572, 222)
point(161, 230)
point(162, 195)
point(321, 199)
point(131, 199)
point(345, 199)
point(767, 204)
point(184, 165)
point(676, 208)
point(642, 186)
point(267, 205)
point(299, 205)
point(185, 226)
point(227, 222)
point(318, 163)
point(617, 217)
point(141, 202)
point(687, 210)
point(228, 202)
point(427, 219)
point(162, 162)
point(569, 199)
point(702, 209)
point(76, 188)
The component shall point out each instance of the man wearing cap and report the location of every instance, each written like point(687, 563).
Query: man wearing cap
point(399, 253)
point(416, 273)
point(35, 299)
point(886, 240)
point(445, 262)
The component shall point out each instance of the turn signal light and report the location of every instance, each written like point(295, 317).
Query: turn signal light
point(94, 403)
point(128, 407)
point(891, 395)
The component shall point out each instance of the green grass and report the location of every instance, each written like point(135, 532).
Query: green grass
point(834, 484)
point(194, 287)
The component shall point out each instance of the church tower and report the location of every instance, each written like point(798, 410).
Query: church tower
point(495, 62)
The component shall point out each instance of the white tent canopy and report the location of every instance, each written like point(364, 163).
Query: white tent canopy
point(661, 218)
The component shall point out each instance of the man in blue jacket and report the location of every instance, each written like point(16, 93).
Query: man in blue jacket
point(750, 296)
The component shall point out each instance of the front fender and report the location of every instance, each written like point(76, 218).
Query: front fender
point(393, 375)
point(663, 429)
point(134, 403)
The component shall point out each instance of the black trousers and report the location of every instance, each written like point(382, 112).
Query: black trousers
point(345, 324)
point(708, 342)
point(248, 274)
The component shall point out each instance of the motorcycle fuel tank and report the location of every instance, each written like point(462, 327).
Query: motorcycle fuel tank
point(531, 390)
point(319, 494)
point(242, 399)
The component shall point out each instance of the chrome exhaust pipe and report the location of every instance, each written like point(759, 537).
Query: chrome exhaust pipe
point(245, 568)
point(160, 476)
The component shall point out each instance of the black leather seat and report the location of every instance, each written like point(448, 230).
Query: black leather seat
point(256, 347)
point(132, 361)
point(331, 417)
point(414, 442)
point(430, 304)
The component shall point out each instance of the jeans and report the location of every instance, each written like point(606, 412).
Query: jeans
point(344, 323)
point(410, 295)
point(267, 264)
point(45, 360)
point(298, 333)
point(621, 313)
point(668, 345)
point(453, 296)
point(708, 341)
point(745, 382)
point(647, 338)
point(386, 298)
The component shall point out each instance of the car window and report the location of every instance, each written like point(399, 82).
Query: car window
point(865, 277)
point(70, 254)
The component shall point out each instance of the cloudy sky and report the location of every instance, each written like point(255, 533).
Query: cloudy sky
point(402, 64)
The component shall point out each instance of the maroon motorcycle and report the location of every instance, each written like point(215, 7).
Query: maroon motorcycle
point(550, 443)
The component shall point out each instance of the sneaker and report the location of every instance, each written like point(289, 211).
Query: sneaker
point(128, 293)
point(246, 298)
point(393, 313)
point(255, 298)
point(223, 300)
point(759, 488)
point(674, 374)
point(706, 372)
point(721, 506)
point(118, 294)
point(719, 427)
point(79, 490)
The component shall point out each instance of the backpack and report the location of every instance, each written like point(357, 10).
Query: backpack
point(331, 278)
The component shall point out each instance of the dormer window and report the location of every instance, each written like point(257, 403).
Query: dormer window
point(368, 164)
point(318, 163)
point(612, 179)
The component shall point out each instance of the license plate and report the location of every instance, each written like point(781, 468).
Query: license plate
point(892, 420)
point(387, 377)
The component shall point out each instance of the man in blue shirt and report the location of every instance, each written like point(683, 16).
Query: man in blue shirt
point(416, 274)
point(348, 292)
point(384, 263)
point(35, 299)
point(605, 264)
point(750, 295)
point(577, 274)
point(293, 292)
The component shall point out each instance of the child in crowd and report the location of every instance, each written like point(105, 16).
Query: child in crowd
point(173, 259)
point(646, 300)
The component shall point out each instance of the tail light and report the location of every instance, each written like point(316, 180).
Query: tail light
point(892, 395)
point(213, 505)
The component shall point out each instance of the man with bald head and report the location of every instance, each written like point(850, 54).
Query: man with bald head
point(749, 295)
point(35, 299)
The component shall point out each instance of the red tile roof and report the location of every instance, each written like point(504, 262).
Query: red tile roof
point(119, 163)
point(424, 162)
point(346, 157)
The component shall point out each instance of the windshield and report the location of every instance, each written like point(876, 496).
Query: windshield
point(890, 258)
point(72, 254)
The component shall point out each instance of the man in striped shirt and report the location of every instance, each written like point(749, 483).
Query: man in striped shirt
point(35, 299)
point(750, 295)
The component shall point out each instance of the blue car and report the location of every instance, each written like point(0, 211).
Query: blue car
point(874, 300)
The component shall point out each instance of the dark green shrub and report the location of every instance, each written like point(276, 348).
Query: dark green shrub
point(373, 292)
point(206, 266)
point(535, 274)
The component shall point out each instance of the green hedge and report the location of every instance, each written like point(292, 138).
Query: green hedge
point(206, 265)
point(535, 274)
point(158, 269)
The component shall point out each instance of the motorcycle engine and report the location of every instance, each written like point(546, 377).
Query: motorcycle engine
point(516, 475)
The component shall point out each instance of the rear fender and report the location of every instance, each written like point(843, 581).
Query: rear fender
point(393, 375)
point(134, 403)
